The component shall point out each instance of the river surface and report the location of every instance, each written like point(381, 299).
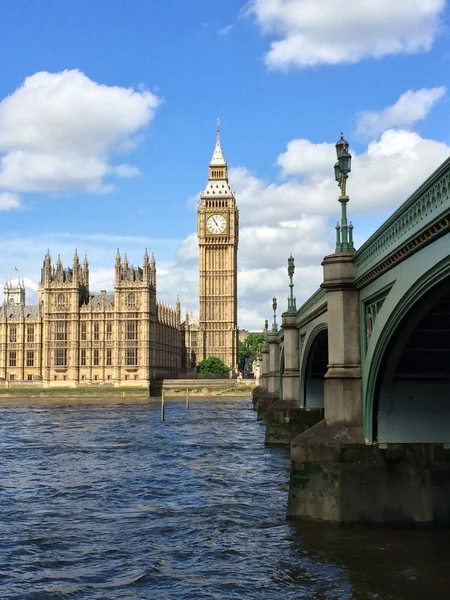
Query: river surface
point(107, 502)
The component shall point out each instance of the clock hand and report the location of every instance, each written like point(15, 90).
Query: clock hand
point(215, 221)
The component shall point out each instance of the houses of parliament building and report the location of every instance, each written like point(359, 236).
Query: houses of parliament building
point(127, 338)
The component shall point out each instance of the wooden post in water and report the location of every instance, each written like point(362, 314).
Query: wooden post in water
point(162, 405)
point(187, 398)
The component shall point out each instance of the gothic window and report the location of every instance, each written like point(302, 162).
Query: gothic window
point(60, 331)
point(30, 377)
point(108, 357)
point(60, 357)
point(131, 300)
point(12, 358)
point(83, 358)
point(131, 357)
point(96, 331)
point(13, 333)
point(30, 358)
point(193, 340)
point(30, 334)
point(83, 332)
point(12, 377)
point(131, 332)
point(96, 357)
point(109, 331)
point(61, 300)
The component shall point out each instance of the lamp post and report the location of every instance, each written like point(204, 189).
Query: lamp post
point(274, 306)
point(291, 270)
point(342, 167)
point(266, 325)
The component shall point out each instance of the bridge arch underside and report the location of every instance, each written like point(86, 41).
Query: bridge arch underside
point(316, 367)
point(412, 394)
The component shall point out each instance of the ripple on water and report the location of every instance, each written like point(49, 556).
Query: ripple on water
point(106, 502)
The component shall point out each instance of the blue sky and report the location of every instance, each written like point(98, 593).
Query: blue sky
point(107, 124)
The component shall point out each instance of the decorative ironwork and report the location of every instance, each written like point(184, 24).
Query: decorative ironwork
point(429, 200)
point(291, 270)
point(438, 229)
point(342, 167)
point(274, 306)
point(371, 309)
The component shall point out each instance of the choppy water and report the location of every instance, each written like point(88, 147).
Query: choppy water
point(105, 502)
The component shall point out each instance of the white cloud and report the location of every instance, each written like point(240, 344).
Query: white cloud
point(382, 177)
point(297, 215)
point(412, 106)
point(225, 30)
point(329, 32)
point(60, 131)
point(9, 201)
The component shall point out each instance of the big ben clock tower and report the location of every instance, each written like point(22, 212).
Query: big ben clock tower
point(218, 232)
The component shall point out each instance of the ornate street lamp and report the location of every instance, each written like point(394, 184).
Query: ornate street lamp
point(266, 325)
point(291, 270)
point(274, 306)
point(343, 166)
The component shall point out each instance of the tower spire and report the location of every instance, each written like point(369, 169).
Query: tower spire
point(218, 159)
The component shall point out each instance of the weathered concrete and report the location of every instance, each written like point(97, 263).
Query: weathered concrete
point(291, 375)
point(263, 379)
point(285, 420)
point(274, 363)
point(342, 391)
point(262, 399)
point(335, 476)
point(208, 387)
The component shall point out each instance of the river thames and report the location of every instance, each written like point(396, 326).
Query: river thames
point(106, 502)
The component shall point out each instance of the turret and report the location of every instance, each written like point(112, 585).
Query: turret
point(153, 271)
point(46, 273)
point(178, 311)
point(146, 268)
point(85, 272)
point(117, 267)
point(14, 295)
point(76, 266)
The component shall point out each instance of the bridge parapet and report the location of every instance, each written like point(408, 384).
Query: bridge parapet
point(420, 211)
point(315, 304)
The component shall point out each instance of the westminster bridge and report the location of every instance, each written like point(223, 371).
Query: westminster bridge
point(358, 378)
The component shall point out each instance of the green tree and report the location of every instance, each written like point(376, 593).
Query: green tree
point(211, 366)
point(249, 348)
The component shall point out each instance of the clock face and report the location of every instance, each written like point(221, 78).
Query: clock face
point(216, 224)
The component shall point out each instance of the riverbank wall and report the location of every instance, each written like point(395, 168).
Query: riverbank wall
point(173, 388)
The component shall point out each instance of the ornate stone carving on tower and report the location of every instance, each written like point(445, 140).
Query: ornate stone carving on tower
point(218, 232)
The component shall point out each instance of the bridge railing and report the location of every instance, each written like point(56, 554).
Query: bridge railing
point(421, 209)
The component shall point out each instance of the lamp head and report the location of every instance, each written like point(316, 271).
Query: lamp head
point(341, 146)
point(291, 266)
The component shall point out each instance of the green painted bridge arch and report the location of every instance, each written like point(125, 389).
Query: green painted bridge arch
point(402, 271)
point(387, 307)
point(406, 389)
point(313, 366)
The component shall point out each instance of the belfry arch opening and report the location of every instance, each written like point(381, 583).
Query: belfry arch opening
point(316, 367)
point(412, 395)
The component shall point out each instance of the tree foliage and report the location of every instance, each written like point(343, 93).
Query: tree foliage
point(211, 366)
point(249, 348)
